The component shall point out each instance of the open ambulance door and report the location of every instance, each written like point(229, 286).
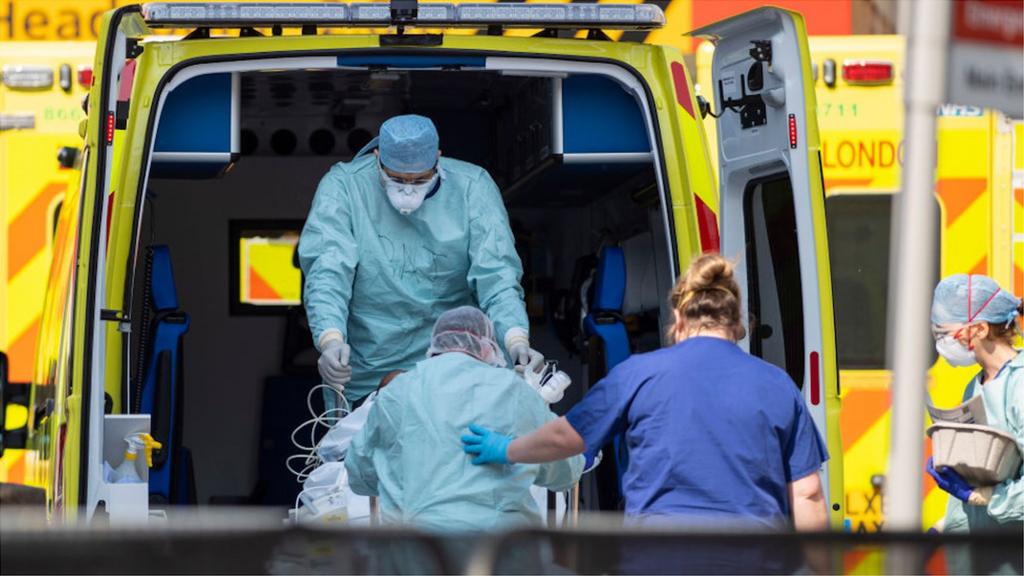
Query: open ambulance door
point(89, 441)
point(772, 208)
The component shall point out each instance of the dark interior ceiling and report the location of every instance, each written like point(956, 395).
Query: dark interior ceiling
point(499, 122)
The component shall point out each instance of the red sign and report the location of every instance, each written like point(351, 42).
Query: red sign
point(998, 22)
point(986, 55)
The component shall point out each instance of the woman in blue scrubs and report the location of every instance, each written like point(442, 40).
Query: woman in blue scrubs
point(713, 433)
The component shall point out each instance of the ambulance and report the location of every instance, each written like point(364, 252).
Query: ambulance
point(172, 306)
point(978, 200)
point(42, 86)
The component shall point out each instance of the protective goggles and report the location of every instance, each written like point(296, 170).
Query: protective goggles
point(415, 180)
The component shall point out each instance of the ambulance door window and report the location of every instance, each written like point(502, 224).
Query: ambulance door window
point(773, 275)
point(859, 230)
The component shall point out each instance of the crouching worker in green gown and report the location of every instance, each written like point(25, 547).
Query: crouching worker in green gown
point(409, 455)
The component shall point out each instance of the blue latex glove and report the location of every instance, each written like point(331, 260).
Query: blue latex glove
point(490, 447)
point(950, 481)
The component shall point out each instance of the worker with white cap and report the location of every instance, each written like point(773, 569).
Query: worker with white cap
point(393, 239)
point(406, 456)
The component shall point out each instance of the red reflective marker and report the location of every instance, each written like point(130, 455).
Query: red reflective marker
point(682, 88)
point(815, 380)
point(707, 225)
point(110, 127)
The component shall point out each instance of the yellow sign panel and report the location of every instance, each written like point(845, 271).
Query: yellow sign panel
point(268, 277)
point(81, 19)
point(53, 20)
point(862, 160)
point(59, 19)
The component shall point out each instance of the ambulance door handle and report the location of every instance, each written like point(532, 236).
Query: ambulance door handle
point(65, 77)
point(43, 412)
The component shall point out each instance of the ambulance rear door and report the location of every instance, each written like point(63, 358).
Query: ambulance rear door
point(772, 213)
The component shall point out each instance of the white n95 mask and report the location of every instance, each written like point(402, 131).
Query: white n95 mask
point(954, 352)
point(407, 198)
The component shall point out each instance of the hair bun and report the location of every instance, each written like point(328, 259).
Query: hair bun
point(709, 272)
point(708, 297)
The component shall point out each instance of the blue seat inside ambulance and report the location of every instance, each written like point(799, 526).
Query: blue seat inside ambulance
point(604, 325)
point(604, 319)
point(162, 391)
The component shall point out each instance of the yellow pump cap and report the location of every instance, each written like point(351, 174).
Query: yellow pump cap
point(148, 445)
point(151, 445)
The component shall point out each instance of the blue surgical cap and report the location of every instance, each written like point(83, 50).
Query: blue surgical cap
point(964, 298)
point(408, 144)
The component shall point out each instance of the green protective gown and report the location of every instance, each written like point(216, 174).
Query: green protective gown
point(409, 453)
point(1004, 408)
point(382, 278)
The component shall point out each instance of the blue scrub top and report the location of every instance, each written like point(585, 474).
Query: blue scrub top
point(712, 432)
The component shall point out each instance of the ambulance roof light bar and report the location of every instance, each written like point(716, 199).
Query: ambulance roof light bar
point(404, 12)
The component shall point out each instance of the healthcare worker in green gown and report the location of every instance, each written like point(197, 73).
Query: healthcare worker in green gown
point(408, 453)
point(975, 323)
point(393, 239)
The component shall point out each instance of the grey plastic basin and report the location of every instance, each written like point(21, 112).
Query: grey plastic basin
point(983, 455)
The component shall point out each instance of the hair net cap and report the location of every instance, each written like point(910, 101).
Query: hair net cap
point(964, 298)
point(408, 144)
point(466, 329)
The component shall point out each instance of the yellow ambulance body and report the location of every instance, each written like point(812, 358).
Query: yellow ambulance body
point(84, 380)
point(979, 195)
point(41, 94)
point(1018, 207)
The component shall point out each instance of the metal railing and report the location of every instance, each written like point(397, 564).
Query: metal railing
point(610, 547)
point(207, 540)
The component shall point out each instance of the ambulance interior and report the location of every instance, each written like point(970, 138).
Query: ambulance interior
point(584, 204)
